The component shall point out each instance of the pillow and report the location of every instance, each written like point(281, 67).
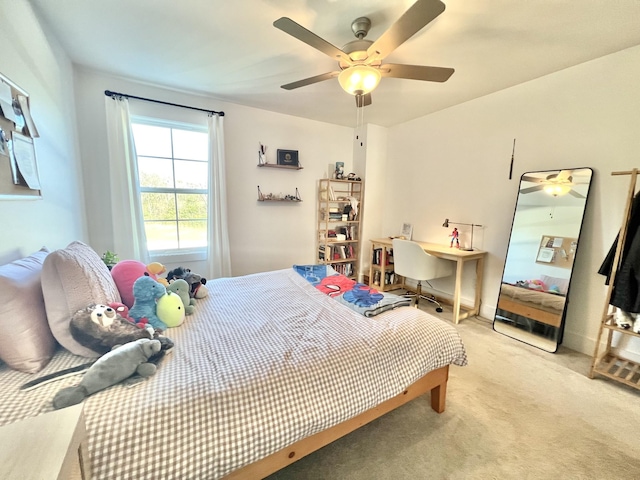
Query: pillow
point(73, 278)
point(561, 284)
point(26, 342)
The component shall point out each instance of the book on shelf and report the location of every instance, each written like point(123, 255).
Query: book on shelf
point(345, 269)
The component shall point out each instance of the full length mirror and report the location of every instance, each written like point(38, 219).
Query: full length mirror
point(544, 240)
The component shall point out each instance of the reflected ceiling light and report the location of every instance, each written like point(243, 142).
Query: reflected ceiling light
point(359, 79)
point(557, 189)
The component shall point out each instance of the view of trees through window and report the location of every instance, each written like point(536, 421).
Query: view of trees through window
point(173, 173)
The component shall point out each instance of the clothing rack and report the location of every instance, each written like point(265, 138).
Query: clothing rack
point(111, 94)
point(605, 362)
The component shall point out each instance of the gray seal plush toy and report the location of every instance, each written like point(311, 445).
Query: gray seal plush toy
point(113, 367)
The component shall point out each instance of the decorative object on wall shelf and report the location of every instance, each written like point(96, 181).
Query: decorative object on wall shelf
point(270, 197)
point(262, 154)
point(288, 158)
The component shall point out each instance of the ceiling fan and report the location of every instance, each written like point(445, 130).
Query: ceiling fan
point(360, 61)
point(556, 184)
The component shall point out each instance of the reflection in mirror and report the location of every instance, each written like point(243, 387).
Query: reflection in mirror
point(544, 239)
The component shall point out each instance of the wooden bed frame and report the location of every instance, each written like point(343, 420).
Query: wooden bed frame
point(434, 381)
point(530, 311)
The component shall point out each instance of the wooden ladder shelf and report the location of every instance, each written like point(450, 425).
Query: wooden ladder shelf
point(605, 362)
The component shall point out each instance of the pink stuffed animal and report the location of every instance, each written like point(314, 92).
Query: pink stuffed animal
point(124, 274)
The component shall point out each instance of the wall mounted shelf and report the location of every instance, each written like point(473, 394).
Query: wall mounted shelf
point(279, 200)
point(269, 197)
point(274, 165)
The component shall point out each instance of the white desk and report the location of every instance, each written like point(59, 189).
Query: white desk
point(442, 251)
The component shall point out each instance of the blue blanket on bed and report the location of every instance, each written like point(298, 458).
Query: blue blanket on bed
point(357, 296)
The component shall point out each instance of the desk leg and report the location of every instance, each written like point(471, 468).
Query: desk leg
point(479, 274)
point(457, 291)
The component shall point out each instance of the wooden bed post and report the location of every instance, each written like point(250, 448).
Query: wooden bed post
point(438, 397)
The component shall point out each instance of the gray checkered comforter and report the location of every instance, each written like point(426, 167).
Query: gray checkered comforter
point(265, 361)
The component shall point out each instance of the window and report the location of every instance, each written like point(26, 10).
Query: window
point(173, 170)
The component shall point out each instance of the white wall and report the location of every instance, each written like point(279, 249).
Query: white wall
point(263, 236)
point(455, 164)
point(370, 159)
point(35, 62)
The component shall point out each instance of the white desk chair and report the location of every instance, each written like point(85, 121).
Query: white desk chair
point(411, 261)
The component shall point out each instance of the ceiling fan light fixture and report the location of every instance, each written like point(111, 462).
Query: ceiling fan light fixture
point(359, 79)
point(557, 190)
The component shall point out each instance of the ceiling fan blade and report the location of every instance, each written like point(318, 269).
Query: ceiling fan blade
point(416, 72)
point(576, 194)
point(564, 175)
point(298, 31)
point(526, 178)
point(363, 100)
point(532, 189)
point(310, 80)
point(414, 19)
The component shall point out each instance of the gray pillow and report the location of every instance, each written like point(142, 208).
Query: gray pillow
point(26, 342)
point(73, 278)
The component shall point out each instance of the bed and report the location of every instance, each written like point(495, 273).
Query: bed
point(534, 301)
point(267, 370)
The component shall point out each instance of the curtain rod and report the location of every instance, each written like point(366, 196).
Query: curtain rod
point(109, 93)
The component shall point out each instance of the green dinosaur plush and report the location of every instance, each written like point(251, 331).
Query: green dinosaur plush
point(110, 369)
point(182, 288)
point(170, 309)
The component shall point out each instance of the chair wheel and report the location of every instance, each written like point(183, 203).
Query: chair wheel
point(439, 309)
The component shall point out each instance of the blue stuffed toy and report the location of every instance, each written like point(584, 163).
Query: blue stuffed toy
point(146, 292)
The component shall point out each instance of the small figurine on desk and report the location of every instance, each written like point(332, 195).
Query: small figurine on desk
point(454, 238)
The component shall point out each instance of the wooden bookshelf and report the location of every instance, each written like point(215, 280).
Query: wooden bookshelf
point(338, 234)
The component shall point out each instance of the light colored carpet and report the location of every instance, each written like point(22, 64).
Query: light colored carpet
point(513, 412)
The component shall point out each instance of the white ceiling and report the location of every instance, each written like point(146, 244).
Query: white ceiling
point(230, 50)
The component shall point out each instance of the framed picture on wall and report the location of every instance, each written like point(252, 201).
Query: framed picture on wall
point(288, 158)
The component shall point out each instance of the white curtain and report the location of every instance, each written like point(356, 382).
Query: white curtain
point(130, 241)
point(218, 256)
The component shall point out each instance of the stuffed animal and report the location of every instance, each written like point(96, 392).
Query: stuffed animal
point(110, 369)
point(146, 291)
point(100, 328)
point(194, 280)
point(181, 288)
point(170, 309)
point(156, 269)
point(122, 310)
point(197, 285)
point(126, 272)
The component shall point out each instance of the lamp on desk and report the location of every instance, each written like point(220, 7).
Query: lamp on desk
point(447, 222)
